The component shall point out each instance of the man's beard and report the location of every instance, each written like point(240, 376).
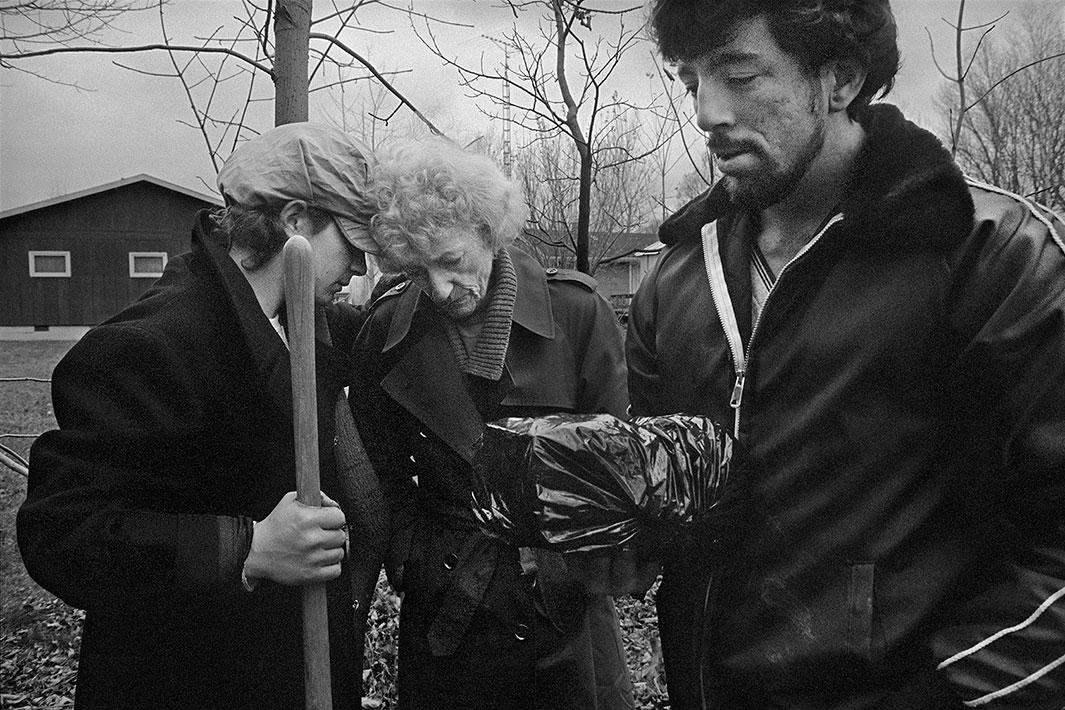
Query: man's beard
point(772, 186)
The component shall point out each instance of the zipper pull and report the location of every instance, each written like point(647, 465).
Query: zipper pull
point(737, 389)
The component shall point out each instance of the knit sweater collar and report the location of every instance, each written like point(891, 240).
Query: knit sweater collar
point(490, 350)
point(532, 303)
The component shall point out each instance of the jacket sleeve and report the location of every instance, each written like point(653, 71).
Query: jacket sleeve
point(1005, 648)
point(601, 366)
point(640, 352)
point(345, 320)
point(95, 528)
point(376, 415)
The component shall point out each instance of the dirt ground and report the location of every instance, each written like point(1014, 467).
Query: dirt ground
point(39, 635)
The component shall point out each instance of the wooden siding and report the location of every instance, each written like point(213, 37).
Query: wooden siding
point(99, 231)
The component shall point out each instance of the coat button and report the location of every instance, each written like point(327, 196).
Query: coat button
point(450, 561)
point(521, 632)
point(552, 271)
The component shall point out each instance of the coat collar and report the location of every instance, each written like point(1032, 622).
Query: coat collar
point(905, 189)
point(426, 380)
point(532, 304)
point(268, 351)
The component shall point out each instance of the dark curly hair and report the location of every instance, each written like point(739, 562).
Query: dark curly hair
point(812, 31)
point(260, 231)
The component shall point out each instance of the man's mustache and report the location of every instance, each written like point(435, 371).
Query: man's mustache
point(721, 145)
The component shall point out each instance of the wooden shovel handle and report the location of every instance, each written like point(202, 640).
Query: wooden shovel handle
point(299, 304)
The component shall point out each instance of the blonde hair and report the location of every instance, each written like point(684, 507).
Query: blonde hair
point(426, 188)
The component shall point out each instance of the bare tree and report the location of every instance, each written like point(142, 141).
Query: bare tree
point(696, 182)
point(280, 41)
point(29, 24)
point(556, 85)
point(621, 193)
point(1005, 103)
point(673, 127)
point(308, 53)
point(368, 109)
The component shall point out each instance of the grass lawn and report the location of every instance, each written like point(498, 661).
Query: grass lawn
point(40, 635)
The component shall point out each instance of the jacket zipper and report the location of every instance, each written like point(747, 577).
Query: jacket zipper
point(715, 274)
point(726, 315)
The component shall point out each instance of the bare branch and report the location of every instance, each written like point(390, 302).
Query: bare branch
point(4, 58)
point(373, 70)
point(188, 91)
point(410, 11)
point(44, 77)
point(1017, 139)
point(976, 51)
point(61, 23)
point(1013, 73)
point(935, 59)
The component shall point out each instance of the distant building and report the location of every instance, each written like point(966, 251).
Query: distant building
point(77, 259)
point(619, 260)
point(619, 279)
point(620, 273)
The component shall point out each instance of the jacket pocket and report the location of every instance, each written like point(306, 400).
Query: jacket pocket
point(813, 633)
point(455, 580)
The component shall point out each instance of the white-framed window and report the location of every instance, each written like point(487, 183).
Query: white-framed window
point(146, 264)
point(50, 264)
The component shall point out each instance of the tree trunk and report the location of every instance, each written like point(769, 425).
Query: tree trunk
point(584, 208)
point(292, 25)
point(584, 150)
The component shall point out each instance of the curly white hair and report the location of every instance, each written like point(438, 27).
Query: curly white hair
point(427, 188)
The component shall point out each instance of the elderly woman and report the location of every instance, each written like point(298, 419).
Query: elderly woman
point(478, 331)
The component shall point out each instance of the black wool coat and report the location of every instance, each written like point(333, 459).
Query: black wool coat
point(175, 432)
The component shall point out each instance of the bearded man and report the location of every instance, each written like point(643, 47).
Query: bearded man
point(886, 338)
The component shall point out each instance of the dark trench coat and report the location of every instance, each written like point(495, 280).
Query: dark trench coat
point(465, 595)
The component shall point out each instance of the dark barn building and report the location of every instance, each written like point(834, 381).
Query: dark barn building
point(77, 259)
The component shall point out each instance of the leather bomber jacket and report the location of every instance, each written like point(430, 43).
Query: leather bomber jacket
point(903, 410)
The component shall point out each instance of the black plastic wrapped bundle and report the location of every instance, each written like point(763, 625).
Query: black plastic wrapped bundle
point(584, 482)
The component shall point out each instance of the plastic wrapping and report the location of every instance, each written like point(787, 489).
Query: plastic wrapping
point(584, 483)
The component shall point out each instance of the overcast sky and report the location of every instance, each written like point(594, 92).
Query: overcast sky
point(56, 139)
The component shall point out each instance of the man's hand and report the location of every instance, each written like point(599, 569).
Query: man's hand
point(616, 574)
point(298, 544)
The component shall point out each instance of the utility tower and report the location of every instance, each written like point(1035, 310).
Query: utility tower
point(506, 103)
